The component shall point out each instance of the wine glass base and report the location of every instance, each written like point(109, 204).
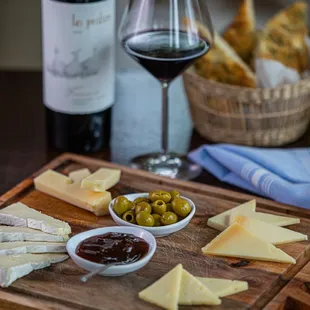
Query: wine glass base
point(169, 165)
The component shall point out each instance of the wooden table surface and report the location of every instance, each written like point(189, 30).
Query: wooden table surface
point(22, 131)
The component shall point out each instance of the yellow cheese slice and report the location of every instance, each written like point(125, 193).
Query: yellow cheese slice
point(102, 180)
point(236, 241)
point(268, 232)
point(78, 175)
point(270, 218)
point(193, 292)
point(69, 190)
point(221, 221)
point(165, 292)
point(224, 287)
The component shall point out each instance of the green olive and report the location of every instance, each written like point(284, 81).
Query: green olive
point(169, 206)
point(181, 207)
point(129, 217)
point(168, 218)
point(145, 219)
point(121, 205)
point(159, 207)
point(159, 195)
point(141, 199)
point(156, 219)
point(174, 194)
point(143, 206)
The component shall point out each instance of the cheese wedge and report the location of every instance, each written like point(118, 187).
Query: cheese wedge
point(221, 221)
point(223, 287)
point(78, 175)
point(270, 218)
point(14, 267)
point(20, 247)
point(12, 233)
point(102, 180)
point(18, 214)
point(69, 190)
point(268, 232)
point(165, 292)
point(194, 292)
point(236, 241)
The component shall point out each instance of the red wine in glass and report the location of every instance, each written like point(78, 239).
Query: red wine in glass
point(154, 51)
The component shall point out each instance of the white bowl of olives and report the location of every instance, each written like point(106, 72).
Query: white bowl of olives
point(159, 212)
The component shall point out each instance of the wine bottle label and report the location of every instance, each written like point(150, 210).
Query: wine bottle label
point(78, 56)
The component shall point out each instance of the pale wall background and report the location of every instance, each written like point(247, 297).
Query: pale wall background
point(20, 29)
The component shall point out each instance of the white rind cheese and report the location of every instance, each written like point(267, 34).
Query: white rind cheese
point(237, 241)
point(18, 214)
point(13, 233)
point(19, 247)
point(14, 267)
point(224, 287)
point(102, 180)
point(270, 233)
point(69, 190)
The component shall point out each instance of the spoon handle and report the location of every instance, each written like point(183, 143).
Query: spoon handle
point(88, 276)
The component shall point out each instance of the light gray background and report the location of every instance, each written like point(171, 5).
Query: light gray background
point(20, 29)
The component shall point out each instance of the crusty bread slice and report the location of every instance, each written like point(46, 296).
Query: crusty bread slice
point(283, 38)
point(241, 33)
point(291, 19)
point(222, 64)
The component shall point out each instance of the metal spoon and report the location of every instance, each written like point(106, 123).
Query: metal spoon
point(91, 274)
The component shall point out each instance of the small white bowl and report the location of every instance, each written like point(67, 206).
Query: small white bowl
point(113, 271)
point(161, 231)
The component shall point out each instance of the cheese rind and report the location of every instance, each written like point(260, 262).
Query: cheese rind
point(18, 214)
point(273, 219)
point(235, 241)
point(223, 287)
point(14, 267)
point(13, 233)
point(102, 180)
point(221, 221)
point(269, 233)
point(56, 185)
point(165, 291)
point(19, 247)
point(193, 292)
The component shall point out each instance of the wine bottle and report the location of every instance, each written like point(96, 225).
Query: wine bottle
point(78, 72)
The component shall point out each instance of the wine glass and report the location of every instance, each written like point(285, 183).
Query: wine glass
point(166, 37)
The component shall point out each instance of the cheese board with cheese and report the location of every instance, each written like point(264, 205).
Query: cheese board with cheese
point(236, 252)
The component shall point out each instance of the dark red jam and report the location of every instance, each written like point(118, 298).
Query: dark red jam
point(113, 248)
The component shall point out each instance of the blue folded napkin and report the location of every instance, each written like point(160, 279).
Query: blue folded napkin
point(282, 175)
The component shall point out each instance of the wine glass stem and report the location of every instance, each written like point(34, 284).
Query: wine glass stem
point(165, 117)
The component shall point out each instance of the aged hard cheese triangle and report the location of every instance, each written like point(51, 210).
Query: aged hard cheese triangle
point(102, 180)
point(20, 247)
point(270, 218)
point(236, 241)
point(18, 214)
point(165, 292)
point(221, 221)
point(194, 292)
point(268, 232)
point(14, 267)
point(13, 233)
point(69, 190)
point(223, 287)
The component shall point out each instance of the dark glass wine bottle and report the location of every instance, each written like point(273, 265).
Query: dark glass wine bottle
point(78, 72)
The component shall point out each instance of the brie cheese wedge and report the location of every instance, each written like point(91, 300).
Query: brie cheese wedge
point(14, 267)
point(18, 214)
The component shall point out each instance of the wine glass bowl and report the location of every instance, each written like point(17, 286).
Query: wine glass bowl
point(166, 37)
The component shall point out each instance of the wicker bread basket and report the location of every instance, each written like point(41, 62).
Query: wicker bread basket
point(239, 115)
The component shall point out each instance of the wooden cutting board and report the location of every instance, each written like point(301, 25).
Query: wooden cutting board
point(58, 287)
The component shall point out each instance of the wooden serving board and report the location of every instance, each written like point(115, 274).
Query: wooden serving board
point(58, 287)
